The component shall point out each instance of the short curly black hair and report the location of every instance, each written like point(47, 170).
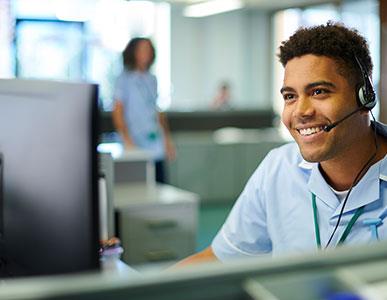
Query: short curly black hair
point(333, 40)
point(128, 55)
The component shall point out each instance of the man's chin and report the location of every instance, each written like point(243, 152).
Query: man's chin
point(312, 157)
point(311, 160)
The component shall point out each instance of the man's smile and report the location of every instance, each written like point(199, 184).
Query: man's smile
point(306, 131)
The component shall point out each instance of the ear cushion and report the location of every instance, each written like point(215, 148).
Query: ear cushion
point(365, 93)
point(368, 100)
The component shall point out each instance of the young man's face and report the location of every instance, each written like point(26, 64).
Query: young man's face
point(315, 95)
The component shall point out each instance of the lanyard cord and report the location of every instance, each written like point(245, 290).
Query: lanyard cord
point(347, 230)
point(315, 219)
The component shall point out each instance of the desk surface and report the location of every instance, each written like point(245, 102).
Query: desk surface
point(360, 268)
point(133, 155)
point(141, 193)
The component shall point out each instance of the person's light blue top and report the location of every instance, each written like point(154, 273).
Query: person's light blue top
point(274, 213)
point(138, 92)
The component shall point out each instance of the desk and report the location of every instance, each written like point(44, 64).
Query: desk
point(155, 223)
point(134, 166)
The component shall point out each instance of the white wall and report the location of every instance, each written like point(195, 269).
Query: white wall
point(231, 46)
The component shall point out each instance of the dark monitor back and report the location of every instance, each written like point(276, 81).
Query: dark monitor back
point(49, 196)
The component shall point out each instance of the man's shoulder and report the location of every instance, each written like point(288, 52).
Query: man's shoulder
point(283, 159)
point(289, 153)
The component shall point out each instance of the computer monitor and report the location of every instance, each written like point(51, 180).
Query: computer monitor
point(49, 180)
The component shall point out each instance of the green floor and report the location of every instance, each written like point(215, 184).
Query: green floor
point(211, 218)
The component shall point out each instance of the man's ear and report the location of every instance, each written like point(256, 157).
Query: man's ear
point(364, 111)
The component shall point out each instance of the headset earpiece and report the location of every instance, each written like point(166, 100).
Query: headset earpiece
point(365, 93)
point(365, 98)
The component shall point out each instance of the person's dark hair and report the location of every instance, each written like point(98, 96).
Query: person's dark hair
point(128, 54)
point(333, 40)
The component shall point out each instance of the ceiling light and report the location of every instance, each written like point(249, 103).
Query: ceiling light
point(211, 7)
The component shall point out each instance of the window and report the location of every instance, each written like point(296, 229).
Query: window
point(5, 39)
point(69, 39)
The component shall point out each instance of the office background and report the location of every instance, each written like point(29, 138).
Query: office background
point(83, 40)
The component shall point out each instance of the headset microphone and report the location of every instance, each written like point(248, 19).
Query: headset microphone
point(328, 128)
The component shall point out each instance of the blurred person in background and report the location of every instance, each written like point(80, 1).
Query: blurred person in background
point(222, 98)
point(135, 114)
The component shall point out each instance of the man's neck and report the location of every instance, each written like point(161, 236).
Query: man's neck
point(341, 172)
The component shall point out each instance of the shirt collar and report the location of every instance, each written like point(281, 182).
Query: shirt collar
point(318, 186)
point(365, 192)
point(380, 128)
point(383, 169)
point(306, 165)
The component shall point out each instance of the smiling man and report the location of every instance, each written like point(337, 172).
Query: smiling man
point(330, 187)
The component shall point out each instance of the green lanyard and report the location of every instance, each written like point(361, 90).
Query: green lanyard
point(347, 230)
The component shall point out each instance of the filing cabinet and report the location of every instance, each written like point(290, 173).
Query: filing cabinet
point(218, 170)
point(155, 223)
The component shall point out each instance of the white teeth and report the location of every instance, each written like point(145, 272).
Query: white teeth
point(309, 131)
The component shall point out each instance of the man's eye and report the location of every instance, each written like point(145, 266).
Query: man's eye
point(288, 97)
point(319, 92)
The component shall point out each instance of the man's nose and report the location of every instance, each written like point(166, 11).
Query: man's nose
point(304, 107)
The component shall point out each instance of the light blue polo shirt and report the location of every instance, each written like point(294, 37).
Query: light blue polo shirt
point(274, 214)
point(138, 92)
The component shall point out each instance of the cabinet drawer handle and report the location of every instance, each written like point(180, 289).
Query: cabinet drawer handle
point(161, 224)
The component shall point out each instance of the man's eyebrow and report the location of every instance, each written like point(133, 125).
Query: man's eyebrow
point(309, 86)
point(320, 83)
point(286, 89)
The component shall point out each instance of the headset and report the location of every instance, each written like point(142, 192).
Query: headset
point(365, 95)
